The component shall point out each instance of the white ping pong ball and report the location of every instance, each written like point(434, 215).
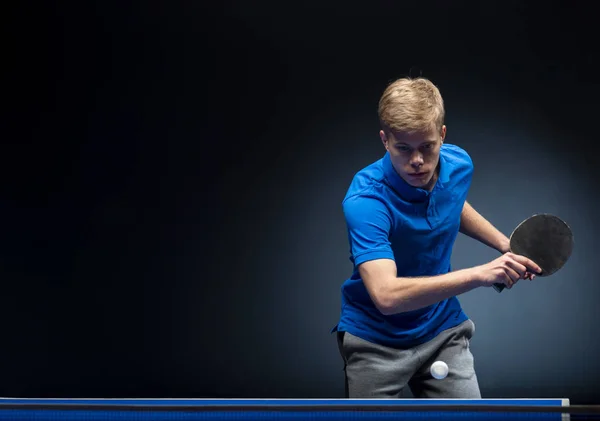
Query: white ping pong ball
point(439, 370)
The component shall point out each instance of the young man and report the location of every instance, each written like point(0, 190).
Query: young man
point(399, 308)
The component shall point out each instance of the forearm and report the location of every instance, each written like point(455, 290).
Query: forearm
point(477, 227)
point(406, 294)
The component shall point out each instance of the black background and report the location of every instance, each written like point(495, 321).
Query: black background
point(172, 175)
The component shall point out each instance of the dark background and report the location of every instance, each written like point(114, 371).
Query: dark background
point(172, 177)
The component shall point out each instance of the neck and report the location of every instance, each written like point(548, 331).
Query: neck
point(434, 178)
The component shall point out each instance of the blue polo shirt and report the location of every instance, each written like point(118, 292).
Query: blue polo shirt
point(389, 219)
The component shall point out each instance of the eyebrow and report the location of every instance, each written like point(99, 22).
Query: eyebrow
point(422, 143)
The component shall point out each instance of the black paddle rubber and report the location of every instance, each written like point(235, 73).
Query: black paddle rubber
point(545, 239)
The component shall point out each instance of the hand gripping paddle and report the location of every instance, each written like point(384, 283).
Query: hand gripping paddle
point(545, 239)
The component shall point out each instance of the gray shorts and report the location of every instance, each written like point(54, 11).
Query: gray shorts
point(375, 371)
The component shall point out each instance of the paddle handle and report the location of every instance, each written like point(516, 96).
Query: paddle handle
point(499, 287)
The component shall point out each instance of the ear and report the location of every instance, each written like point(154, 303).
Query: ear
point(443, 133)
point(384, 139)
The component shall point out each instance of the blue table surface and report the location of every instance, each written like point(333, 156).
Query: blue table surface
point(229, 409)
point(320, 402)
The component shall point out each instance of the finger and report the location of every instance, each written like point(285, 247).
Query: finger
point(513, 274)
point(509, 277)
point(508, 281)
point(517, 267)
point(525, 261)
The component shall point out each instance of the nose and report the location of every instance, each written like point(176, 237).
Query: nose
point(416, 159)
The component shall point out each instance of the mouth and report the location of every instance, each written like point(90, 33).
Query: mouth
point(417, 174)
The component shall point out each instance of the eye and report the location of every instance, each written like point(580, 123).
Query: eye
point(403, 148)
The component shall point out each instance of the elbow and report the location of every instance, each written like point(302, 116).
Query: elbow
point(385, 302)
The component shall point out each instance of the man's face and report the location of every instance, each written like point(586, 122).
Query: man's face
point(415, 156)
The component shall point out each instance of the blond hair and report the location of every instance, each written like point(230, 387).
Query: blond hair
point(411, 106)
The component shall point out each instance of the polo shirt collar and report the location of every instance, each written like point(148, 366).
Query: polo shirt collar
point(409, 192)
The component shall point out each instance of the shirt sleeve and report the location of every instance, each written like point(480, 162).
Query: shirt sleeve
point(369, 222)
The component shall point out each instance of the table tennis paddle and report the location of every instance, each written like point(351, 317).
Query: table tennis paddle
point(544, 238)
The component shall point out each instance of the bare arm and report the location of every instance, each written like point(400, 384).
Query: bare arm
point(392, 295)
point(396, 295)
point(477, 227)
